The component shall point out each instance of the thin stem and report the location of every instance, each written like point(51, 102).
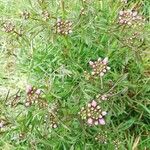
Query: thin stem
point(7, 96)
point(17, 33)
point(63, 7)
point(101, 82)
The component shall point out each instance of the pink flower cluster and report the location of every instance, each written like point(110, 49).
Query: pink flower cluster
point(130, 17)
point(33, 95)
point(92, 114)
point(99, 67)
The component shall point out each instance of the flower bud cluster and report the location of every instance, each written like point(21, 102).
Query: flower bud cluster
point(8, 27)
point(45, 15)
point(63, 27)
point(82, 12)
point(51, 116)
point(102, 138)
point(99, 67)
point(117, 144)
point(25, 15)
point(135, 37)
point(3, 123)
point(104, 97)
point(33, 95)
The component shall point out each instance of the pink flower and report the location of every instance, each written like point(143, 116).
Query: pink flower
point(99, 67)
point(38, 91)
point(1, 124)
point(101, 121)
point(105, 60)
point(90, 121)
point(28, 89)
point(121, 13)
point(94, 103)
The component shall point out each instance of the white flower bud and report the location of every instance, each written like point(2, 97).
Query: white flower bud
point(105, 60)
point(91, 63)
point(101, 74)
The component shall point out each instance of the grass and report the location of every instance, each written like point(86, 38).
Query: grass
point(33, 54)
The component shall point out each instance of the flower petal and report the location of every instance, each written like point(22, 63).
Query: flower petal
point(101, 121)
point(94, 103)
point(90, 121)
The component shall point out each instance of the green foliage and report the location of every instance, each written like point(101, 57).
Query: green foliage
point(34, 53)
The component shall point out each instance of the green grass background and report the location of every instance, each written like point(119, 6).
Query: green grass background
point(56, 64)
